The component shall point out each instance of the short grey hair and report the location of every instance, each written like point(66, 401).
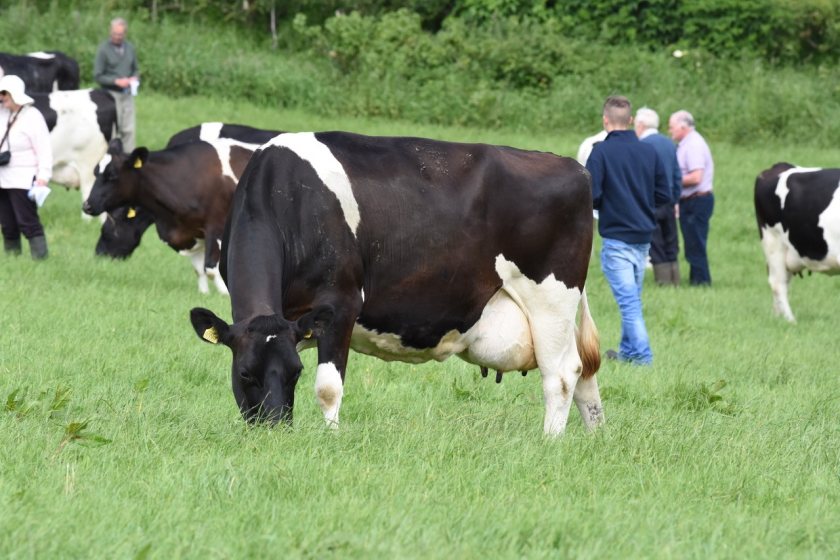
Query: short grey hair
point(647, 117)
point(684, 117)
point(119, 21)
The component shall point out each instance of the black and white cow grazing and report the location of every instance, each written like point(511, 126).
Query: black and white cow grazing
point(798, 213)
point(186, 190)
point(42, 72)
point(123, 228)
point(81, 123)
point(406, 249)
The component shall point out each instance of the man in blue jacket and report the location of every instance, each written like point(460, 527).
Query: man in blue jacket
point(665, 244)
point(628, 182)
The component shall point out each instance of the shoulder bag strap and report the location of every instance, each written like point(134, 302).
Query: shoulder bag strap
point(12, 119)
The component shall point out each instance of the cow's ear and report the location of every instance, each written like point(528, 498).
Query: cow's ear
point(138, 158)
point(115, 147)
point(314, 323)
point(208, 327)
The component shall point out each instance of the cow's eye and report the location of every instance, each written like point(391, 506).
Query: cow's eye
point(247, 378)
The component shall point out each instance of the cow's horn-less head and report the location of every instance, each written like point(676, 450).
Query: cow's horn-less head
point(266, 365)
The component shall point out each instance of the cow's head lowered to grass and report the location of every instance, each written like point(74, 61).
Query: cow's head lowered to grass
point(117, 180)
point(266, 365)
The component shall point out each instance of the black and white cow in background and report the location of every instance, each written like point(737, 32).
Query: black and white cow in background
point(81, 123)
point(186, 190)
point(42, 72)
point(213, 130)
point(123, 227)
point(798, 213)
point(406, 249)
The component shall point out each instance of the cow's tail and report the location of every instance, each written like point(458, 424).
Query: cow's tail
point(588, 343)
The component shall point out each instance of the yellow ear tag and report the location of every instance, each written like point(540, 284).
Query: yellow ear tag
point(210, 335)
point(131, 213)
point(138, 163)
point(308, 334)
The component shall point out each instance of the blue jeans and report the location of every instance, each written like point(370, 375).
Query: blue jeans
point(695, 214)
point(624, 267)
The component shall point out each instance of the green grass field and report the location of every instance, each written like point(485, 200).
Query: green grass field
point(120, 437)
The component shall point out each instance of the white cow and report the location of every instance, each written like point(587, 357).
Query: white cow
point(81, 124)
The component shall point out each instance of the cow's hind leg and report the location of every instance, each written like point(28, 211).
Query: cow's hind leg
point(551, 308)
point(779, 281)
point(196, 256)
point(587, 397)
point(588, 401)
point(212, 254)
point(778, 274)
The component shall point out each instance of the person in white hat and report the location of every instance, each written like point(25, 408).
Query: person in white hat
point(24, 176)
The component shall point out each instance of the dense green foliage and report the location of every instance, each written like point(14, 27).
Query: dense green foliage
point(495, 65)
point(120, 438)
point(791, 31)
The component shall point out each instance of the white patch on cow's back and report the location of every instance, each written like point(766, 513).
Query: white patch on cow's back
point(328, 168)
point(222, 147)
point(210, 131)
point(42, 55)
point(329, 391)
point(782, 189)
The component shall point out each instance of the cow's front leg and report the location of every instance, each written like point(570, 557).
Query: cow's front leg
point(558, 387)
point(333, 351)
point(197, 258)
point(778, 274)
point(212, 255)
point(779, 279)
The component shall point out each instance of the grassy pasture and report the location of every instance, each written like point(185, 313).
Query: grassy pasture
point(120, 437)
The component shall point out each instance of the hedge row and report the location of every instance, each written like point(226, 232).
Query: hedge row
point(518, 73)
point(777, 31)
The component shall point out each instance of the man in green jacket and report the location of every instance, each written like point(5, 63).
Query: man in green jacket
point(115, 69)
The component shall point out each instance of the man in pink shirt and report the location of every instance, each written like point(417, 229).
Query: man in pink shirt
point(26, 137)
point(697, 201)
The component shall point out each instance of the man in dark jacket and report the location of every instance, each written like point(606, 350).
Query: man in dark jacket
point(665, 244)
point(628, 182)
point(115, 69)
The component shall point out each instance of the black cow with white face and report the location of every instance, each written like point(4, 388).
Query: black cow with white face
point(42, 72)
point(123, 228)
point(406, 249)
point(798, 213)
